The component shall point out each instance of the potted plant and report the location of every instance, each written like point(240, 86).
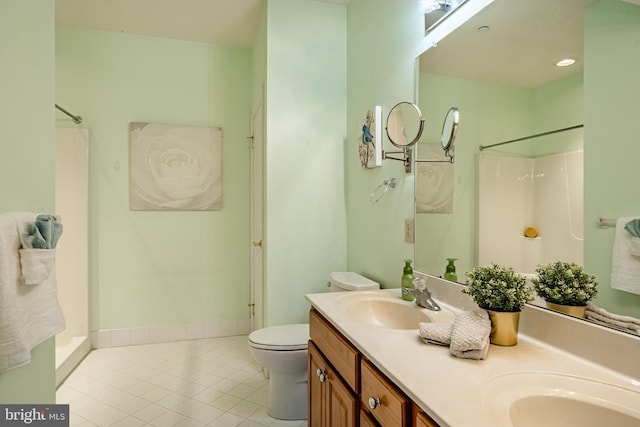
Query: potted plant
point(565, 287)
point(503, 293)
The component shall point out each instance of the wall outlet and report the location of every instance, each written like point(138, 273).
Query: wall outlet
point(409, 230)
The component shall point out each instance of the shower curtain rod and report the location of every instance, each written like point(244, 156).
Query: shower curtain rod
point(76, 119)
point(482, 147)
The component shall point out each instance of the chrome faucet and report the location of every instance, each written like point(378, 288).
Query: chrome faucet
point(422, 294)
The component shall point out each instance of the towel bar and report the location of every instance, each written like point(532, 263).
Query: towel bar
point(605, 221)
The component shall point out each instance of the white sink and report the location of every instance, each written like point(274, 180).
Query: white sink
point(386, 311)
point(528, 399)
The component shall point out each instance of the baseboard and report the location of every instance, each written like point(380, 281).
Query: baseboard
point(166, 333)
point(70, 357)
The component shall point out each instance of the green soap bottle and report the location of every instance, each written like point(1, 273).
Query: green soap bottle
point(407, 280)
point(450, 271)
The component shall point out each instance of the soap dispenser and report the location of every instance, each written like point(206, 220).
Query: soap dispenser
point(407, 280)
point(450, 272)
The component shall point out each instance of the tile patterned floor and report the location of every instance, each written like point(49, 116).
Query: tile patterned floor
point(208, 382)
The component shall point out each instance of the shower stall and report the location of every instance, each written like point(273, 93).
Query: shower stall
point(72, 204)
point(517, 192)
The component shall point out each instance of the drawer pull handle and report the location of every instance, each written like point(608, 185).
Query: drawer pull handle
point(321, 375)
point(374, 402)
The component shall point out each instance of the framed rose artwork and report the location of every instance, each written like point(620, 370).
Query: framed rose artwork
point(370, 138)
point(434, 180)
point(175, 167)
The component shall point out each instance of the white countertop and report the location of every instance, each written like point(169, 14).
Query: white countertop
point(448, 388)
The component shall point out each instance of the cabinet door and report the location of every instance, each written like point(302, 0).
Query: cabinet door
point(341, 407)
point(317, 368)
point(331, 402)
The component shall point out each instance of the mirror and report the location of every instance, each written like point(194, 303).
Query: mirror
point(499, 68)
point(449, 130)
point(404, 124)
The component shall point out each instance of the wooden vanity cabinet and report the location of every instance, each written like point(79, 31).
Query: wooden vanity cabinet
point(386, 403)
point(347, 390)
point(333, 376)
point(331, 401)
point(420, 419)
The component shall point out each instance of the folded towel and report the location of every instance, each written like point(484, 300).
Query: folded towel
point(45, 232)
point(633, 227)
point(470, 335)
point(37, 265)
point(467, 337)
point(624, 323)
point(625, 267)
point(29, 315)
point(436, 333)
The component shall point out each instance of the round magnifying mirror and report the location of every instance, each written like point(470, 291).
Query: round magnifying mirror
point(449, 129)
point(404, 124)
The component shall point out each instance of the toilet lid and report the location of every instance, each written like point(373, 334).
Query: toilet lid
point(283, 337)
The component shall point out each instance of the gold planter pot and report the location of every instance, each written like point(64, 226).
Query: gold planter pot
point(504, 327)
point(571, 310)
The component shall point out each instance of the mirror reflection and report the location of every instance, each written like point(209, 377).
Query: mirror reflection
point(450, 129)
point(499, 67)
point(404, 124)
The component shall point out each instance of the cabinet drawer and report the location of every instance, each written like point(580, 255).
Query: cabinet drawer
point(385, 402)
point(343, 356)
point(366, 420)
point(420, 419)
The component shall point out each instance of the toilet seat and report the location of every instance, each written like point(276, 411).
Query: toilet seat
point(281, 338)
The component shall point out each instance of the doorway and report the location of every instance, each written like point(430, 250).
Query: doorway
point(257, 214)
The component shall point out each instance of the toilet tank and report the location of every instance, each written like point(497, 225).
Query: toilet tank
point(349, 281)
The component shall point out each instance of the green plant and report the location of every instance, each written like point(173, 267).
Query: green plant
point(564, 283)
point(497, 288)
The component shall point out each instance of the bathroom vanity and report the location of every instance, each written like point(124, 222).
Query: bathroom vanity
point(368, 366)
point(346, 389)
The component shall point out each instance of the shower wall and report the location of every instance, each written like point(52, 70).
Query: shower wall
point(515, 193)
point(72, 179)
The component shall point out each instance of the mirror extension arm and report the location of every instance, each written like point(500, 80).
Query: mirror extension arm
point(407, 157)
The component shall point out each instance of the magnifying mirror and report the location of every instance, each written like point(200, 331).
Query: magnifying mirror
point(404, 124)
point(449, 130)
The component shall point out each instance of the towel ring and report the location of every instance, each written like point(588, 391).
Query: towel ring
point(381, 190)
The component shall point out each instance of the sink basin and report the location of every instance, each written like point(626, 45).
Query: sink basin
point(554, 400)
point(392, 313)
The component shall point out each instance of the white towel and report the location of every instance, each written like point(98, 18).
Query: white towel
point(37, 265)
point(624, 323)
point(467, 337)
point(470, 335)
point(625, 267)
point(29, 315)
point(436, 333)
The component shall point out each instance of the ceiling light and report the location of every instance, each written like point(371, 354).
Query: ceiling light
point(566, 62)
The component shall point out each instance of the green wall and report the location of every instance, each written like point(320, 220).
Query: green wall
point(305, 231)
point(489, 113)
point(612, 146)
point(383, 41)
point(27, 149)
point(482, 105)
point(155, 268)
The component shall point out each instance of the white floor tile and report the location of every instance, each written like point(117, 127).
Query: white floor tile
point(207, 382)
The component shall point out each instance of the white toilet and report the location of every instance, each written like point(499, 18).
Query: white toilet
point(283, 351)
